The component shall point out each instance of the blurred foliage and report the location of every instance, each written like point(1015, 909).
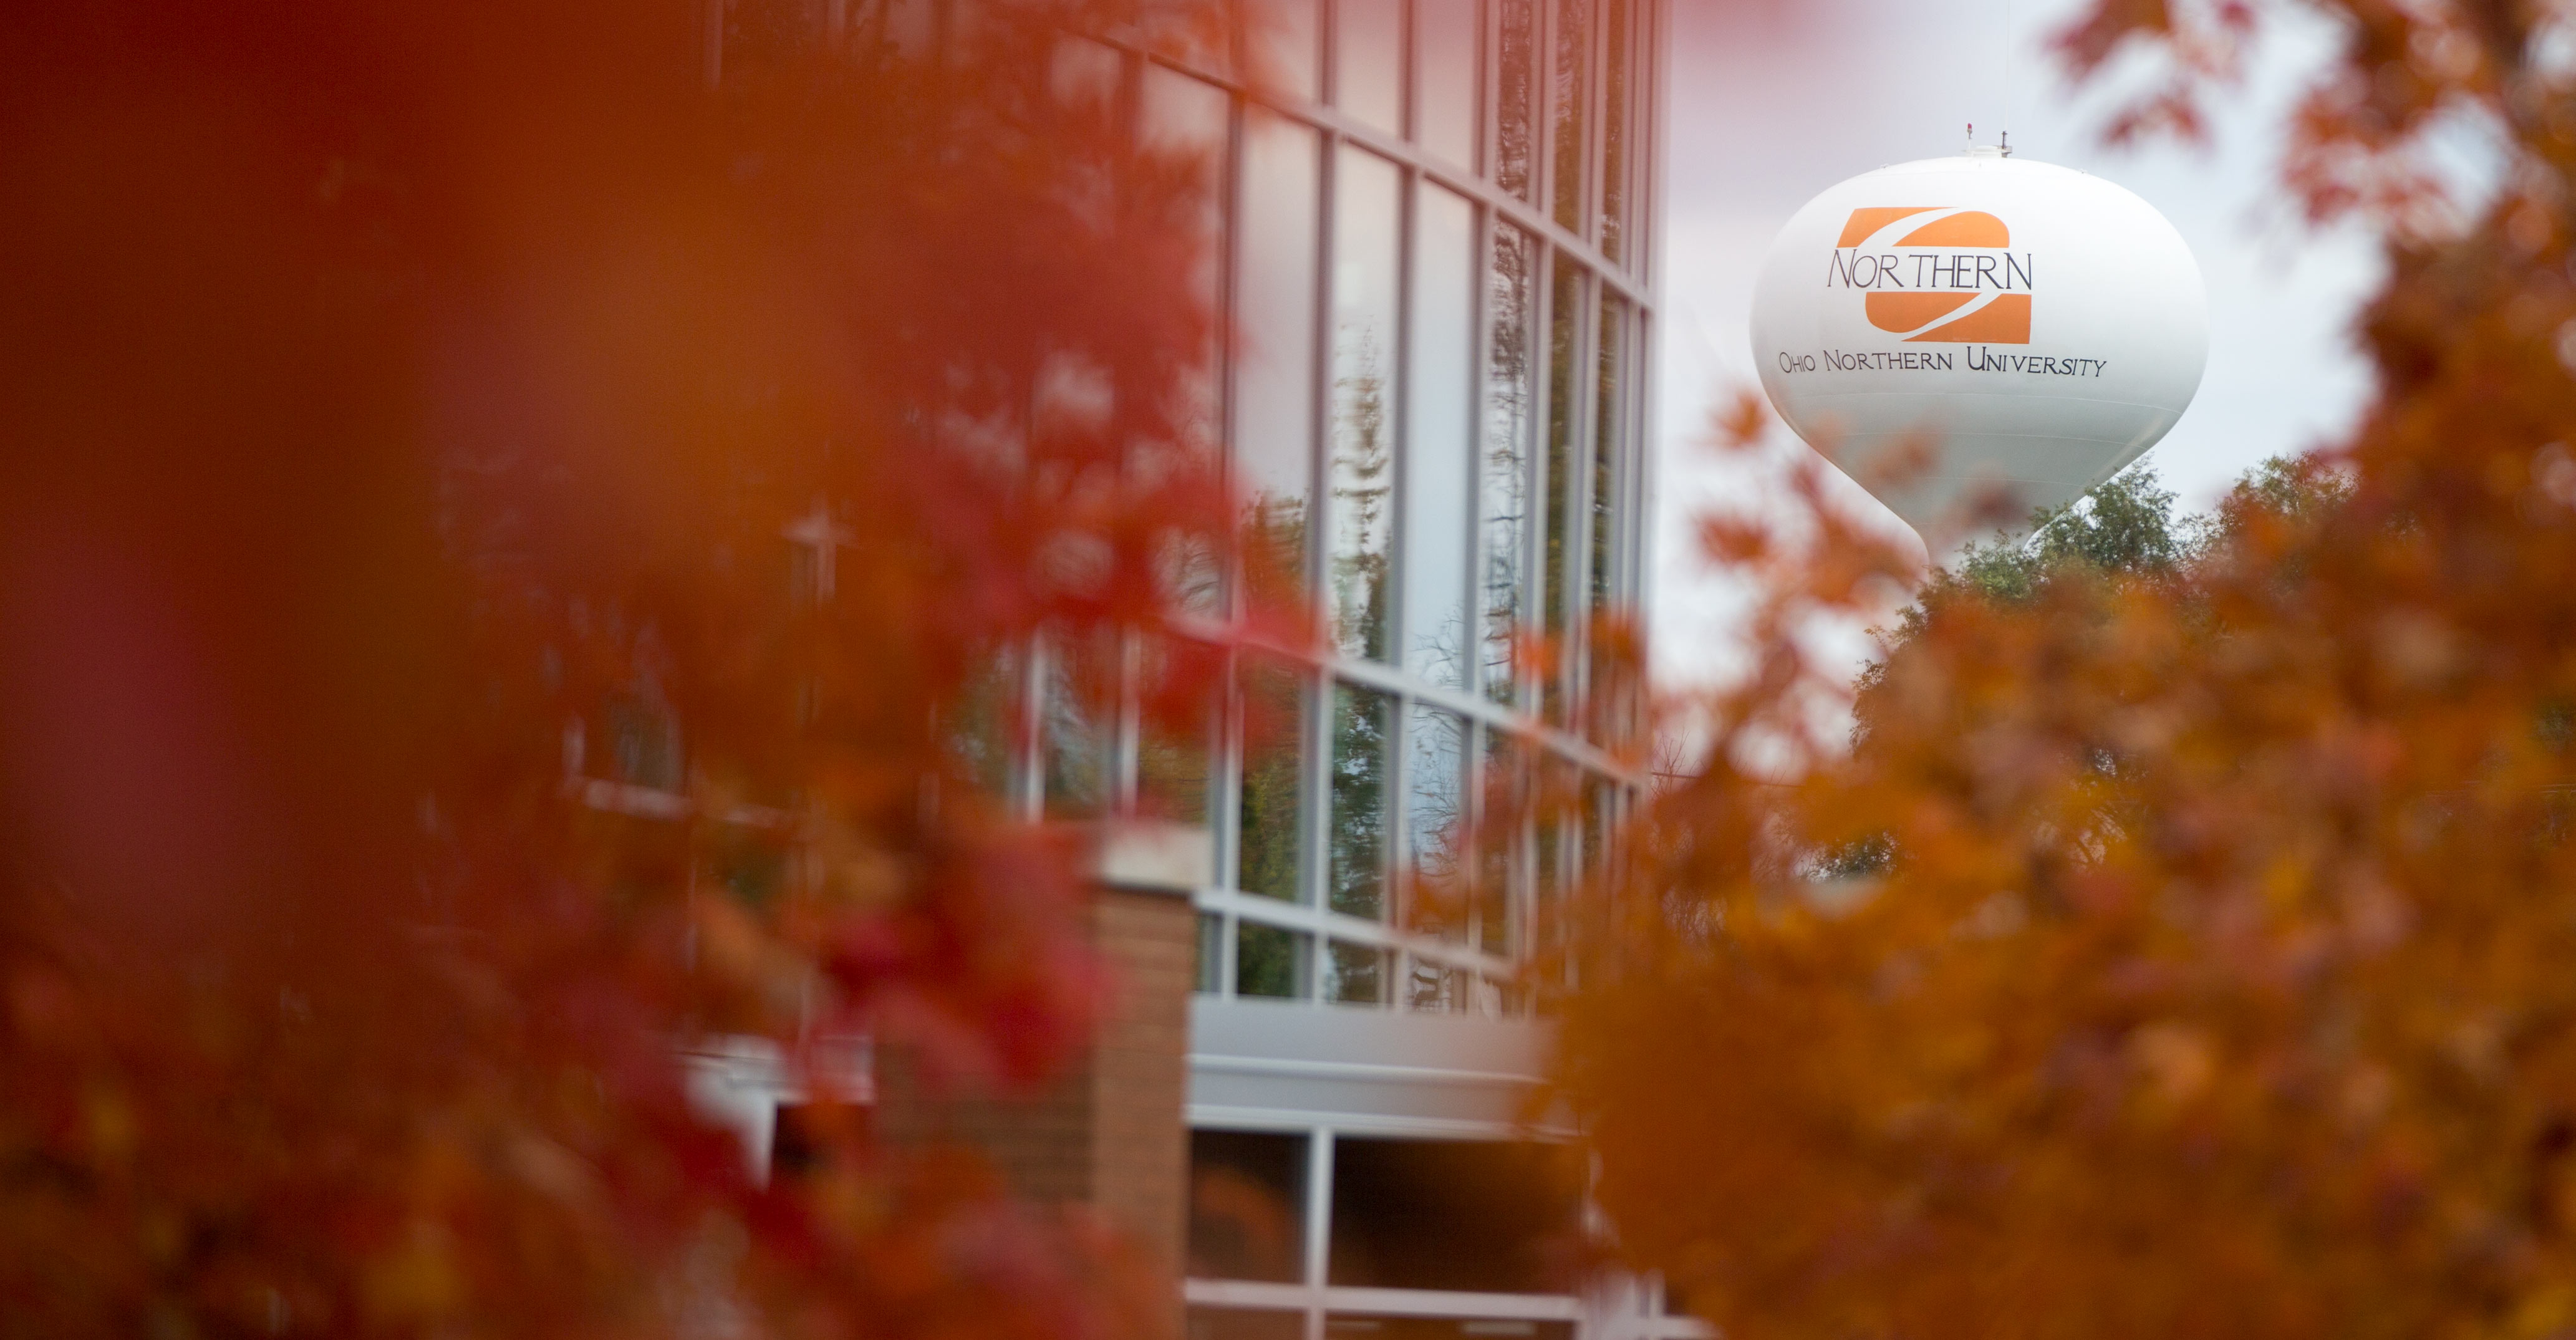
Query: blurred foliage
point(2180, 947)
point(510, 516)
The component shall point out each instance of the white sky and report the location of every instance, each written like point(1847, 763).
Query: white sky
point(1773, 102)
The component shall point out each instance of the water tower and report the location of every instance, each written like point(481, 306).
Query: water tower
point(1980, 332)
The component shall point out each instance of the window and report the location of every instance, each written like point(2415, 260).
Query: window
point(1569, 95)
point(1503, 469)
point(1617, 39)
point(1563, 480)
point(1247, 1206)
point(1439, 444)
point(1515, 95)
point(1270, 961)
point(1187, 118)
point(1355, 974)
point(1274, 390)
point(1272, 702)
point(1075, 745)
point(1363, 720)
point(1174, 730)
point(1368, 62)
point(1444, 91)
point(1286, 33)
point(1435, 807)
point(1485, 1216)
point(1365, 393)
point(1428, 405)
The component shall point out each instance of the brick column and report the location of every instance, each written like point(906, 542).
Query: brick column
point(1139, 1069)
point(1111, 1133)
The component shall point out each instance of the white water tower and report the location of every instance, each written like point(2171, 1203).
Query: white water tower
point(2032, 327)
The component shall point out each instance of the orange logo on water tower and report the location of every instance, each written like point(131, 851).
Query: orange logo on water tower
point(1949, 279)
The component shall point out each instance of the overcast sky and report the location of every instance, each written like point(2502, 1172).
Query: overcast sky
point(1772, 103)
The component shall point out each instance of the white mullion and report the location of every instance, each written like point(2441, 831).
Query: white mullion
point(1319, 1225)
point(1454, 1303)
point(1321, 925)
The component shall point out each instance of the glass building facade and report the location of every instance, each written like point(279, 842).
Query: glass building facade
point(1437, 254)
point(1431, 228)
point(1436, 258)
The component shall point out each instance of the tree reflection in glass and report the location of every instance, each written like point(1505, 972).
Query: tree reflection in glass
point(1616, 38)
point(1362, 719)
point(1074, 741)
point(1492, 926)
point(1503, 470)
point(1569, 83)
point(1266, 824)
point(1564, 425)
point(1435, 763)
point(1515, 92)
point(1274, 389)
point(1270, 961)
point(1355, 974)
point(1362, 464)
point(1439, 466)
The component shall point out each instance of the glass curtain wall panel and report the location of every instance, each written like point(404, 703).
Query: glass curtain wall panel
point(1368, 62)
point(1601, 561)
point(1275, 387)
point(1271, 706)
point(1619, 42)
point(1177, 35)
point(1270, 961)
point(1432, 987)
point(1086, 73)
point(1445, 111)
point(1077, 694)
point(1355, 974)
point(1175, 742)
point(1600, 815)
point(1569, 97)
point(1247, 1206)
point(1492, 927)
point(1607, 427)
point(1362, 461)
point(1285, 37)
point(1515, 151)
point(1503, 466)
point(1552, 841)
point(1187, 119)
point(1363, 720)
point(1439, 466)
point(1564, 483)
point(1435, 814)
point(1482, 1216)
point(981, 736)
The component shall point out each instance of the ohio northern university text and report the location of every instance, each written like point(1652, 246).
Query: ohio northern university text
point(1978, 358)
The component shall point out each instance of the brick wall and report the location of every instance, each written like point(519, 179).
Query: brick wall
point(1139, 1070)
point(1111, 1132)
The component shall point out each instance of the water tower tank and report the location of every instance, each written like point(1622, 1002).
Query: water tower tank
point(2036, 327)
